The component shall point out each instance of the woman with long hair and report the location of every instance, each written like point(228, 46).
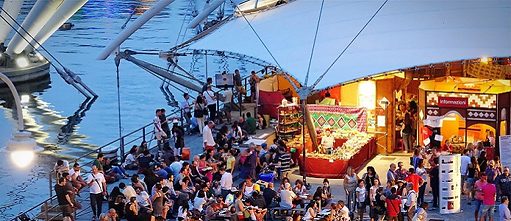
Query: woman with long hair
point(350, 184)
point(311, 211)
point(473, 174)
point(369, 177)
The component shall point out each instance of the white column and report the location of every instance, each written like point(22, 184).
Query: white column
point(40, 13)
point(64, 12)
point(128, 31)
point(12, 7)
point(205, 13)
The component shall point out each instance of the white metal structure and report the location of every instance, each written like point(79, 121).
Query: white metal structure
point(64, 12)
point(450, 183)
point(12, 7)
point(403, 34)
point(40, 13)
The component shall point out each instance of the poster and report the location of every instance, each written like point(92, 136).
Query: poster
point(505, 150)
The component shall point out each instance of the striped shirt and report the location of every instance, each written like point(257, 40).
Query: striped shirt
point(285, 162)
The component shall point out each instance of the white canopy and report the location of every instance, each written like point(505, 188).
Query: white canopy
point(403, 34)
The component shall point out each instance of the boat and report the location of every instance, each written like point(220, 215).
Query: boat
point(66, 26)
point(25, 68)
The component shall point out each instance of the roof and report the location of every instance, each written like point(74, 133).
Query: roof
point(403, 34)
point(467, 85)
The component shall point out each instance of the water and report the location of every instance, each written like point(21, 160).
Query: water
point(52, 103)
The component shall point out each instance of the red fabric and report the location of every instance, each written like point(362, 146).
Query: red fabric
point(415, 180)
point(393, 206)
point(490, 152)
point(318, 167)
point(269, 101)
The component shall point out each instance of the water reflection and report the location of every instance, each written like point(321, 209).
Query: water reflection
point(72, 121)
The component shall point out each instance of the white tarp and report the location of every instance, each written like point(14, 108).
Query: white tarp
point(404, 34)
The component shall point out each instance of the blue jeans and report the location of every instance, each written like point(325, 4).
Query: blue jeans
point(119, 170)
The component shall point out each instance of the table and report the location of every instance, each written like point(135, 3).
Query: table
point(326, 168)
point(257, 142)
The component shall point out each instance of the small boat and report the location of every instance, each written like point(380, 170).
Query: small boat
point(66, 26)
point(24, 67)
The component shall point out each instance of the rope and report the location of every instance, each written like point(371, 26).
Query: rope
point(257, 35)
point(347, 46)
point(314, 43)
point(182, 24)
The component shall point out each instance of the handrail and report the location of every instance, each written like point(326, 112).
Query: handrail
point(97, 150)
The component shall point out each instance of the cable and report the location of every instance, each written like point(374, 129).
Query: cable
point(257, 35)
point(314, 43)
point(346, 48)
point(32, 37)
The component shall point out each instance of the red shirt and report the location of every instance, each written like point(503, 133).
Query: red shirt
point(415, 180)
point(489, 192)
point(393, 206)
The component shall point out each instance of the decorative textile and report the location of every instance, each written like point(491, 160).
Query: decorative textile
point(336, 117)
point(474, 100)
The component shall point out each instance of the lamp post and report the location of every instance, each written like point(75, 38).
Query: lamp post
point(21, 144)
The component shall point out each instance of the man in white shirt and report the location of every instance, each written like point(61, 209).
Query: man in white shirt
point(225, 182)
point(127, 190)
point(411, 201)
point(97, 189)
point(186, 107)
point(465, 162)
point(207, 136)
point(327, 142)
point(287, 196)
point(504, 213)
point(143, 199)
point(158, 131)
point(211, 102)
point(227, 103)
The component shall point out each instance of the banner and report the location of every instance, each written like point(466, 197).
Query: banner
point(505, 150)
point(336, 117)
point(454, 102)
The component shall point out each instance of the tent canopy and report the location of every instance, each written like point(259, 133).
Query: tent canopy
point(403, 34)
point(471, 85)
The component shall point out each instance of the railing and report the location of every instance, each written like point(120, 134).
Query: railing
point(47, 204)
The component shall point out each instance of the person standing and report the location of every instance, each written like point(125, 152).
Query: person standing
point(64, 199)
point(186, 109)
point(207, 136)
point(209, 82)
point(254, 83)
point(479, 195)
point(503, 183)
point(158, 131)
point(211, 102)
point(198, 112)
point(422, 213)
point(415, 179)
point(504, 213)
point(489, 194)
point(179, 137)
point(465, 163)
point(361, 196)
point(411, 201)
point(391, 173)
point(421, 171)
point(408, 132)
point(350, 184)
point(97, 189)
point(225, 182)
point(434, 179)
point(227, 104)
point(393, 204)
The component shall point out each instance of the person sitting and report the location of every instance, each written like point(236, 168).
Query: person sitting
point(250, 124)
point(286, 197)
point(327, 142)
point(144, 161)
point(270, 196)
point(261, 122)
point(116, 201)
point(110, 216)
point(311, 211)
point(130, 162)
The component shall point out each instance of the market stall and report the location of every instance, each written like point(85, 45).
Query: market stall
point(466, 110)
point(349, 143)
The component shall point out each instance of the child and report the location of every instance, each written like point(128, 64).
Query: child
point(361, 197)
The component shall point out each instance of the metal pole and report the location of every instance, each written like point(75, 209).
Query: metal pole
point(17, 100)
point(122, 147)
point(304, 152)
point(121, 144)
point(51, 185)
point(143, 134)
point(206, 64)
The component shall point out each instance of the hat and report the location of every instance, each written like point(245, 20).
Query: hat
point(175, 121)
point(264, 145)
point(234, 189)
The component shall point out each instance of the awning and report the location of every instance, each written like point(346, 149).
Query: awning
point(404, 34)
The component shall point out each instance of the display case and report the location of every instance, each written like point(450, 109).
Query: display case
point(289, 121)
point(450, 184)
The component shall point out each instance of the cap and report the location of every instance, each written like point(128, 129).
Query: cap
point(175, 121)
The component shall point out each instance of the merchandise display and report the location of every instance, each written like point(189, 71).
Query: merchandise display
point(355, 140)
point(289, 125)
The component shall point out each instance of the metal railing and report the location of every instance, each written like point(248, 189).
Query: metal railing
point(125, 140)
